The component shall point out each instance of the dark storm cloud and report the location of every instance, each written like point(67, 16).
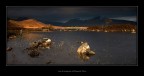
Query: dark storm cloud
point(63, 13)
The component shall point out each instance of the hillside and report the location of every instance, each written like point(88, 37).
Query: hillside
point(29, 23)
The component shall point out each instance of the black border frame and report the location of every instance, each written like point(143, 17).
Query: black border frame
point(140, 66)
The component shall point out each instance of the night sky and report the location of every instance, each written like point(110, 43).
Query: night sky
point(65, 13)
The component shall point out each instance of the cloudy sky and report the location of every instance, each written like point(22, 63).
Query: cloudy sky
point(64, 13)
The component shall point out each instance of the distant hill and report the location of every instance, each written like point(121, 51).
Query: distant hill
point(22, 18)
point(53, 23)
point(18, 19)
point(24, 22)
point(29, 23)
point(96, 21)
point(92, 22)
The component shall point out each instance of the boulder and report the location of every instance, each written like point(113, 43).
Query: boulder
point(33, 49)
point(84, 51)
point(45, 42)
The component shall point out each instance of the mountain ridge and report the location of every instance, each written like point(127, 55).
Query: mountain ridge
point(91, 22)
point(95, 21)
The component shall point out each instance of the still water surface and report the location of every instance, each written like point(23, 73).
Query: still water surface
point(114, 48)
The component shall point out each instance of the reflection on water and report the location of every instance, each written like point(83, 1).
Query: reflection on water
point(32, 36)
point(84, 57)
point(110, 48)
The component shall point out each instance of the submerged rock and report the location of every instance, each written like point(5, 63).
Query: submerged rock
point(49, 62)
point(34, 53)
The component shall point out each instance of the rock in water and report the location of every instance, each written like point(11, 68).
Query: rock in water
point(46, 42)
point(34, 53)
point(12, 37)
point(90, 53)
point(84, 51)
point(33, 49)
point(9, 49)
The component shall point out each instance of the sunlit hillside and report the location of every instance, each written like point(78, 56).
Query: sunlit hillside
point(30, 23)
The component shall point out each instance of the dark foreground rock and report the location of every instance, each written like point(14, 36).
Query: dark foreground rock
point(34, 49)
